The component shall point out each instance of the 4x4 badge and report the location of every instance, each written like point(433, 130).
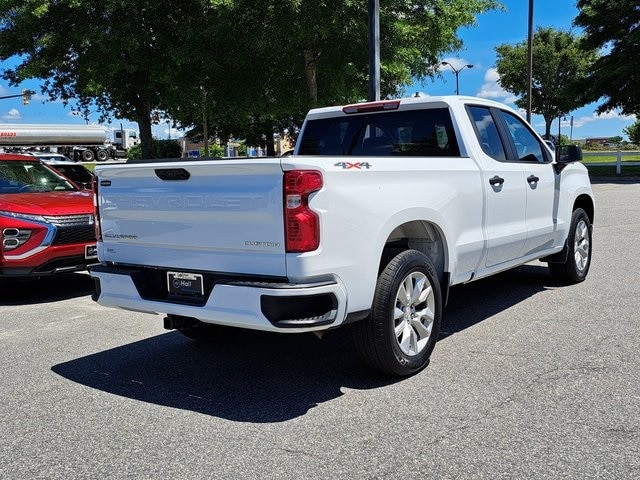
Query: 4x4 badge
point(356, 165)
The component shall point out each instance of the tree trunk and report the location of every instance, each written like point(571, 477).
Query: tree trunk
point(310, 73)
point(144, 124)
point(547, 128)
point(205, 124)
point(268, 132)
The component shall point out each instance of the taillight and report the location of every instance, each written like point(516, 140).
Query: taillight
point(96, 214)
point(302, 225)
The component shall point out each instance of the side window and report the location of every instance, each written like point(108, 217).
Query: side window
point(487, 132)
point(528, 147)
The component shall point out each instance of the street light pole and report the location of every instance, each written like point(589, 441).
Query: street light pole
point(374, 50)
point(457, 72)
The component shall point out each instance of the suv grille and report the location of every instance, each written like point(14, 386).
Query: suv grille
point(72, 229)
point(70, 220)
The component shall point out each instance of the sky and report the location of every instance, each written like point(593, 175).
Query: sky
point(510, 27)
point(491, 30)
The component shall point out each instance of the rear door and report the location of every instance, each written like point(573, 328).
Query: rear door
point(219, 216)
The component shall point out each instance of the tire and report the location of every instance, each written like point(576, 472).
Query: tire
point(400, 333)
point(87, 155)
point(102, 156)
point(577, 261)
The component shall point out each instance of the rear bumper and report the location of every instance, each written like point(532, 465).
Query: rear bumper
point(253, 304)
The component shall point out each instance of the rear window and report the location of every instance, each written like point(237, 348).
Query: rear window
point(414, 133)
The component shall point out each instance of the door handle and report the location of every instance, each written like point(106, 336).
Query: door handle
point(496, 180)
point(533, 179)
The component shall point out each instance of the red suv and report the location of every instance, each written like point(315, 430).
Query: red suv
point(46, 222)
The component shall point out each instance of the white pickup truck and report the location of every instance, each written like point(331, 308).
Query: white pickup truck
point(382, 208)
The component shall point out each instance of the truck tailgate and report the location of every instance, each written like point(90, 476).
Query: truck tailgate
point(217, 215)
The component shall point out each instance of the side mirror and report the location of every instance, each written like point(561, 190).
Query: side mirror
point(568, 154)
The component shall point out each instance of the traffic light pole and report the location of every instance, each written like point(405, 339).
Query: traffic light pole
point(26, 96)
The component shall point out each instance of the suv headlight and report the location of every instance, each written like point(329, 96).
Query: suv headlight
point(24, 216)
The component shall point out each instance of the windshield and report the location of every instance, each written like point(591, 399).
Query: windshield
point(18, 176)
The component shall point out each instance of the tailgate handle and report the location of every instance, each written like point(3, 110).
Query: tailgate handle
point(170, 174)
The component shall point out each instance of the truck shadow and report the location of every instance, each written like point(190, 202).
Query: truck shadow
point(259, 377)
point(472, 303)
point(45, 289)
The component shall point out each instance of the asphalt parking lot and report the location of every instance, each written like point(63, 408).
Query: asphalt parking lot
point(529, 380)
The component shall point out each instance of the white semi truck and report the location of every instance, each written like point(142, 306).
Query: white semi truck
point(78, 142)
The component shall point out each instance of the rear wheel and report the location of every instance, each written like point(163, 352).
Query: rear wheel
point(575, 267)
point(87, 155)
point(400, 334)
point(102, 155)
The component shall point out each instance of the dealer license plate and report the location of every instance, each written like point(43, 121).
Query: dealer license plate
point(185, 284)
point(90, 251)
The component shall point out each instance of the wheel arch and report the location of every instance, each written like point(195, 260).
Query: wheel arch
point(585, 202)
point(426, 237)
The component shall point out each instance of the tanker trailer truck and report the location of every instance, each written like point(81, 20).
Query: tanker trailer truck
point(78, 142)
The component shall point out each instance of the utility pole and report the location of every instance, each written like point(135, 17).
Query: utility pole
point(374, 50)
point(529, 60)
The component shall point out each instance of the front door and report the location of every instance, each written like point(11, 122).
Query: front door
point(505, 193)
point(542, 188)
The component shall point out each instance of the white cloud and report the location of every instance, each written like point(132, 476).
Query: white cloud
point(12, 115)
point(586, 119)
point(614, 115)
point(492, 89)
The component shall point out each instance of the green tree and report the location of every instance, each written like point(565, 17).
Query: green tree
point(246, 68)
point(612, 27)
point(292, 55)
point(633, 132)
point(559, 64)
point(116, 56)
